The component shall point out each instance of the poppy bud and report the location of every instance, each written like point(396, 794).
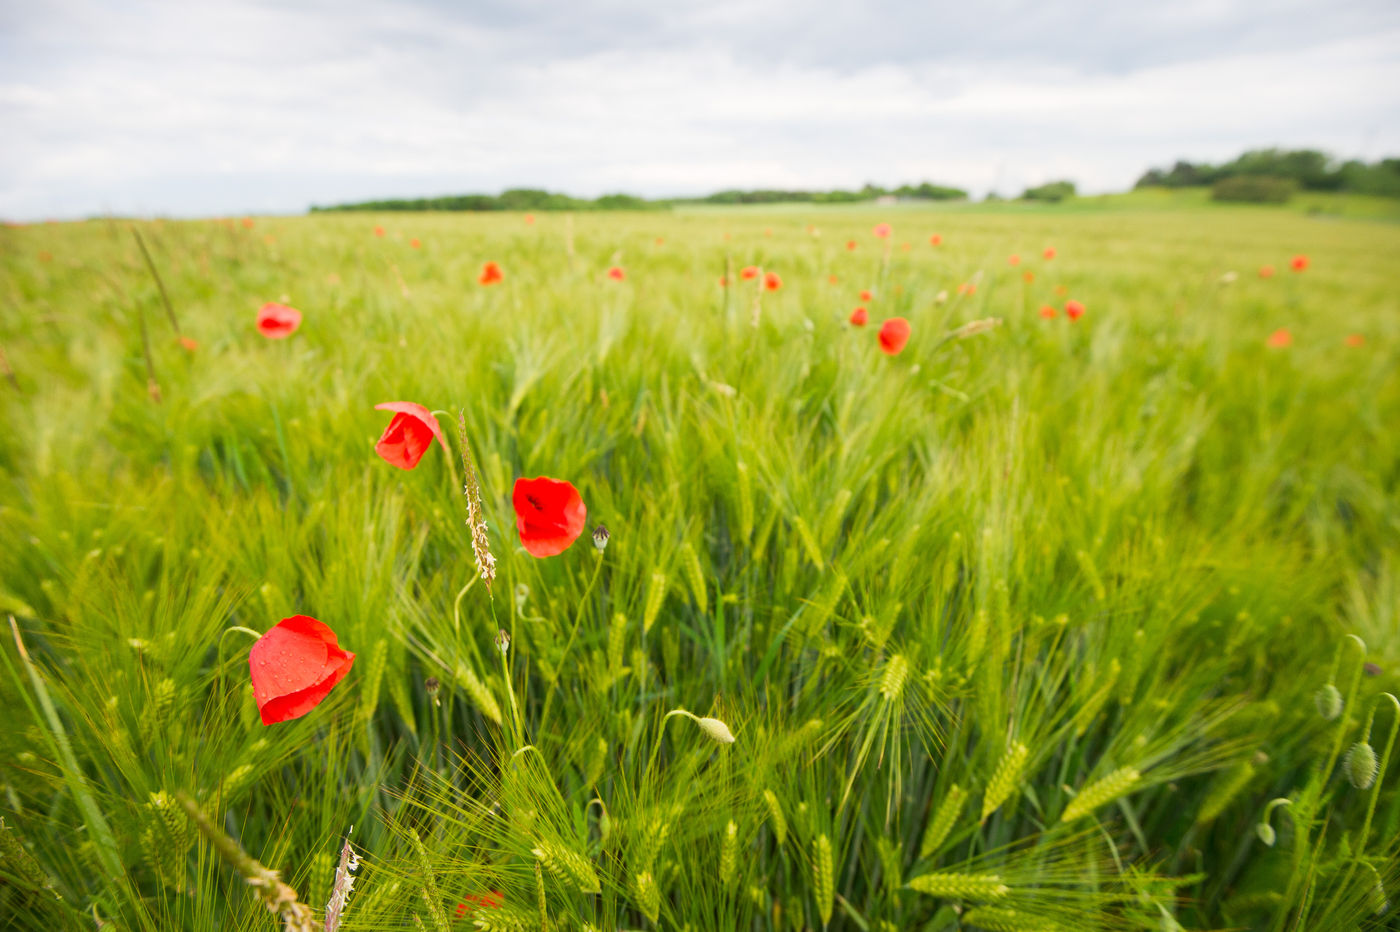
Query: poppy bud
point(600, 537)
point(431, 685)
point(1266, 833)
point(1328, 700)
point(502, 641)
point(1360, 765)
point(716, 729)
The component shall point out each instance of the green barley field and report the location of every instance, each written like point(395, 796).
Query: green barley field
point(1039, 624)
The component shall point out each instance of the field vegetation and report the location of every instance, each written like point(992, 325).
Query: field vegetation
point(1048, 621)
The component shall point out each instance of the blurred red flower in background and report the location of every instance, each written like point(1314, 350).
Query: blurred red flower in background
point(894, 333)
point(277, 321)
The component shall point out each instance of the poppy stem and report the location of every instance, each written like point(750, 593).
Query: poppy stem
point(160, 285)
point(9, 372)
point(573, 632)
point(451, 469)
point(152, 386)
point(248, 631)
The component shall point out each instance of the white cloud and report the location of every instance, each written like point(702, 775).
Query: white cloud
point(221, 108)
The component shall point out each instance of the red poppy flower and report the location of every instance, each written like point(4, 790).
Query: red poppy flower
point(378, 231)
point(748, 272)
point(277, 321)
point(45, 256)
point(409, 434)
point(859, 316)
point(1074, 310)
point(413, 243)
point(831, 279)
point(723, 281)
point(1027, 277)
point(771, 281)
point(936, 239)
point(894, 333)
point(1048, 311)
point(549, 515)
point(529, 218)
point(851, 245)
point(1061, 290)
point(661, 241)
point(1266, 271)
point(247, 223)
point(294, 666)
point(616, 273)
point(768, 231)
point(1049, 253)
point(473, 901)
point(1013, 260)
point(904, 246)
point(1355, 339)
point(967, 288)
point(490, 274)
point(1280, 338)
point(1298, 263)
point(865, 295)
point(189, 343)
point(881, 230)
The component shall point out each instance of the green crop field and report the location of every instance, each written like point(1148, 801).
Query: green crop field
point(1039, 624)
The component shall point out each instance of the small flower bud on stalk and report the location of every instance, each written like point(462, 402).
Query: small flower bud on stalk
point(600, 537)
point(1328, 700)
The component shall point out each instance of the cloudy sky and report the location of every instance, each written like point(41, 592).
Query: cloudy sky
point(229, 106)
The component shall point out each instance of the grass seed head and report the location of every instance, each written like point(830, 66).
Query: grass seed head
point(893, 680)
point(1002, 919)
point(1006, 778)
point(776, 821)
point(950, 885)
point(823, 877)
point(646, 894)
point(476, 517)
point(729, 854)
point(943, 820)
point(656, 595)
point(568, 865)
point(1101, 791)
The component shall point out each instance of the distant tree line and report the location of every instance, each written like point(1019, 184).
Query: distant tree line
point(523, 199)
point(919, 192)
point(517, 199)
point(1054, 192)
point(1273, 174)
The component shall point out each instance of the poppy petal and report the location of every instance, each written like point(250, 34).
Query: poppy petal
point(293, 667)
point(549, 515)
point(418, 411)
